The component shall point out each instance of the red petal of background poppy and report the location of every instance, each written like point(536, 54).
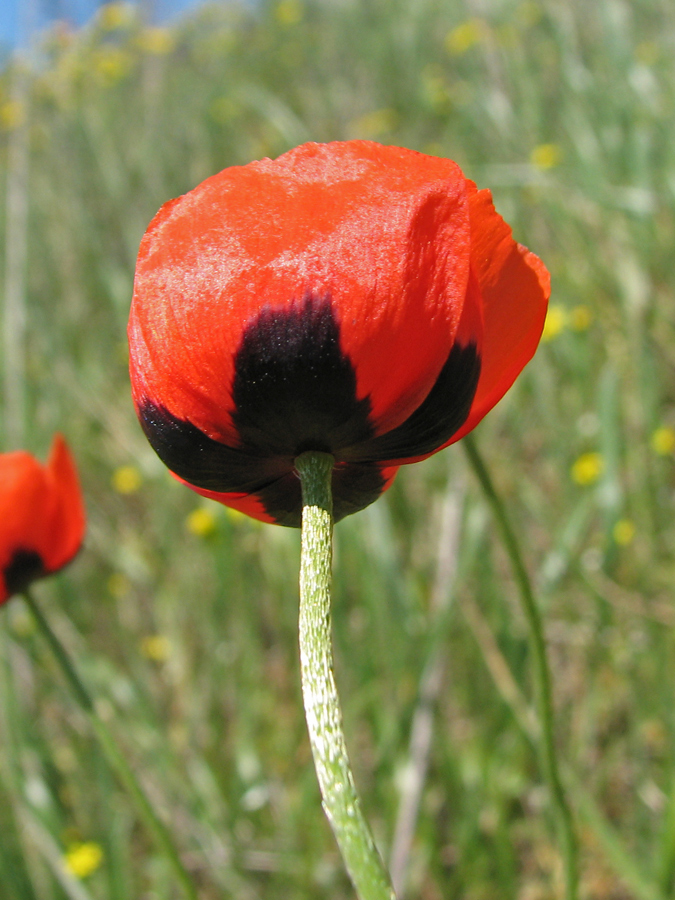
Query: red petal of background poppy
point(25, 505)
point(67, 525)
point(515, 287)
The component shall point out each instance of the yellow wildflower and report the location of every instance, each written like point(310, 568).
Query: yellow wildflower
point(288, 12)
point(529, 13)
point(118, 585)
point(546, 156)
point(224, 109)
point(465, 36)
point(647, 53)
point(12, 115)
point(156, 647)
point(556, 321)
point(435, 89)
point(587, 468)
point(126, 480)
point(580, 318)
point(374, 123)
point(156, 41)
point(623, 532)
point(112, 16)
point(82, 859)
point(201, 522)
point(663, 441)
point(111, 64)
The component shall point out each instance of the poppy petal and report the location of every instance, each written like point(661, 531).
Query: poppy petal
point(515, 287)
point(445, 408)
point(68, 523)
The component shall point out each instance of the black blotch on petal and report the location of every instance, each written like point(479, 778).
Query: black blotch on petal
point(354, 486)
point(294, 390)
point(24, 567)
point(441, 414)
point(200, 460)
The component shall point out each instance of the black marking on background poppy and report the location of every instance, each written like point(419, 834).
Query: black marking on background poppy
point(441, 415)
point(294, 389)
point(24, 567)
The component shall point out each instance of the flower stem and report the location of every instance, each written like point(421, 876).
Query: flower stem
point(541, 670)
point(112, 752)
point(322, 706)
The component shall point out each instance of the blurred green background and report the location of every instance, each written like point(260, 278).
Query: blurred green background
point(182, 616)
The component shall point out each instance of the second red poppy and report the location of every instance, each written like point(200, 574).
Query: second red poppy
point(42, 518)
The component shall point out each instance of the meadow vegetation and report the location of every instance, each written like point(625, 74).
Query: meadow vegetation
point(182, 616)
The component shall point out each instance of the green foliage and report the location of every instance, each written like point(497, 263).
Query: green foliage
point(185, 626)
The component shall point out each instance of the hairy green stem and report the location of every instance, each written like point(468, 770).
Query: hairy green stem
point(541, 670)
point(322, 706)
point(112, 752)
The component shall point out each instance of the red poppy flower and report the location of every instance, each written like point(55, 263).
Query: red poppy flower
point(361, 300)
point(41, 516)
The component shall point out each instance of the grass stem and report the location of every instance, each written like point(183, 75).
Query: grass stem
point(541, 670)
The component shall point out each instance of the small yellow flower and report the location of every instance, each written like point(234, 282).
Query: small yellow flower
point(156, 647)
point(436, 90)
point(201, 522)
point(546, 156)
point(118, 585)
point(647, 53)
point(623, 532)
point(156, 41)
point(587, 468)
point(82, 859)
point(529, 13)
point(556, 322)
point(224, 109)
point(126, 480)
point(288, 12)
point(465, 36)
point(663, 441)
point(374, 124)
point(12, 115)
point(112, 16)
point(580, 318)
point(111, 64)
